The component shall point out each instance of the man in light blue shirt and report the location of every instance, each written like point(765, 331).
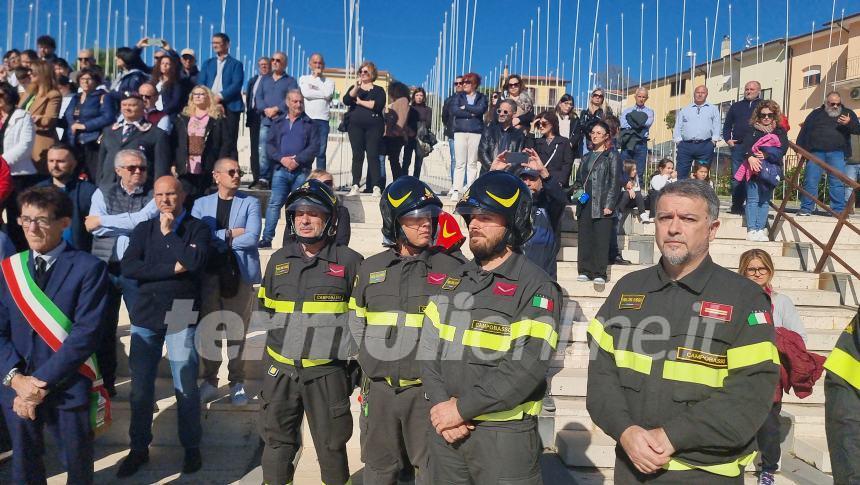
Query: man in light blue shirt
point(697, 130)
point(636, 124)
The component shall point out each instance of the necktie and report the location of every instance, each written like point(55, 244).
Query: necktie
point(127, 130)
point(41, 272)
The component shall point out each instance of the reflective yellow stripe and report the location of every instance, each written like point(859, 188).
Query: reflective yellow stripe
point(695, 373)
point(730, 469)
point(360, 311)
point(403, 382)
point(531, 408)
point(753, 354)
point(381, 318)
point(486, 340)
point(633, 361)
point(415, 320)
point(305, 362)
point(311, 307)
point(279, 306)
point(446, 332)
point(522, 328)
point(845, 366)
point(603, 339)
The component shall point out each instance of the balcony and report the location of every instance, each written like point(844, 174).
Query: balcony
point(848, 73)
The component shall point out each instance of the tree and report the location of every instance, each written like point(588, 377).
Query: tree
point(670, 120)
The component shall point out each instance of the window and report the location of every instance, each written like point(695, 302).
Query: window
point(676, 86)
point(533, 94)
point(552, 96)
point(811, 76)
point(767, 93)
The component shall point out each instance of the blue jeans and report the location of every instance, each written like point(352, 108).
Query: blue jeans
point(836, 159)
point(758, 204)
point(283, 182)
point(323, 129)
point(143, 359)
point(451, 149)
point(739, 191)
point(265, 163)
point(688, 152)
point(639, 153)
point(852, 171)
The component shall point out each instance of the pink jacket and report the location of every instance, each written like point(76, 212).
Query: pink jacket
point(744, 172)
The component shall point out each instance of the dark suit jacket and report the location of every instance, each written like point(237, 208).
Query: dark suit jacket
point(153, 142)
point(213, 145)
point(78, 285)
point(151, 259)
point(250, 113)
point(232, 76)
point(81, 192)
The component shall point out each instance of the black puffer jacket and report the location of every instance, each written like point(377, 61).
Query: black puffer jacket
point(602, 185)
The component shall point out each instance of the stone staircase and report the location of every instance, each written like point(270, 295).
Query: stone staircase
point(577, 452)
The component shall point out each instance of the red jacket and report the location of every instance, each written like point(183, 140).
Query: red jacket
point(5, 180)
point(800, 368)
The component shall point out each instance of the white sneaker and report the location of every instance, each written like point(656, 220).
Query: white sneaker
point(376, 192)
point(752, 235)
point(237, 394)
point(645, 218)
point(582, 278)
point(208, 392)
point(599, 281)
point(455, 195)
point(762, 235)
point(353, 191)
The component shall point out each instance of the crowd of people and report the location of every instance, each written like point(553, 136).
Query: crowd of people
point(128, 190)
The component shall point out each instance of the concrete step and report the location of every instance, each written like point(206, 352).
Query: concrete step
point(813, 450)
point(583, 448)
point(808, 419)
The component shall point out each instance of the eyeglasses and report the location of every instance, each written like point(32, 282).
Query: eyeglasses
point(234, 173)
point(135, 168)
point(364, 71)
point(83, 79)
point(278, 60)
point(503, 112)
point(760, 271)
point(468, 82)
point(147, 96)
point(513, 85)
point(85, 59)
point(25, 221)
point(544, 124)
point(458, 83)
point(596, 95)
point(835, 104)
point(766, 115)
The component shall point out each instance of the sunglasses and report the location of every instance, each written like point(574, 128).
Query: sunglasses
point(234, 173)
point(544, 124)
point(458, 83)
point(596, 95)
point(766, 115)
point(330, 183)
point(282, 61)
point(513, 85)
point(147, 96)
point(364, 71)
point(835, 104)
point(135, 168)
point(85, 59)
point(467, 82)
point(503, 112)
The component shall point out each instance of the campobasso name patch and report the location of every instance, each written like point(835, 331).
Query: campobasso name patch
point(715, 361)
point(631, 302)
point(326, 297)
point(491, 328)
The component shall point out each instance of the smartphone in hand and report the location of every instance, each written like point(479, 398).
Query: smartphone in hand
point(516, 159)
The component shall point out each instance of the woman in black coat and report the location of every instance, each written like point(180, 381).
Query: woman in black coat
point(598, 176)
point(199, 141)
point(553, 149)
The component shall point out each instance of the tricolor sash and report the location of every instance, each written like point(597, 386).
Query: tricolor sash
point(53, 327)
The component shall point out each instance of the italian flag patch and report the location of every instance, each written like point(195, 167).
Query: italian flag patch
point(541, 301)
point(756, 318)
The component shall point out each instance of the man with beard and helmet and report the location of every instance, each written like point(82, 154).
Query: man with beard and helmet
point(488, 343)
point(306, 289)
point(390, 294)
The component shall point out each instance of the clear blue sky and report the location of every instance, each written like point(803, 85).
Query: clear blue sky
point(402, 35)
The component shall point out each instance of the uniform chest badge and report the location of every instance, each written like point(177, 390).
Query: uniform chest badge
point(451, 283)
point(717, 311)
point(282, 269)
point(273, 371)
point(631, 302)
point(377, 277)
point(436, 279)
point(336, 270)
point(504, 289)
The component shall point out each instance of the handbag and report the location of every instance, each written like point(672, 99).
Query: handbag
point(577, 190)
point(343, 126)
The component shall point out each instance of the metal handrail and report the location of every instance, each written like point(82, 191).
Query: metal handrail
point(841, 218)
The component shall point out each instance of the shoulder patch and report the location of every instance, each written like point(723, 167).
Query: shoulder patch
point(504, 289)
point(336, 270)
point(273, 371)
point(631, 302)
point(717, 311)
point(436, 278)
point(282, 269)
point(377, 277)
point(541, 301)
point(759, 317)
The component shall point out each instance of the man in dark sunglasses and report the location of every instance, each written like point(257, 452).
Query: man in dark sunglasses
point(235, 222)
point(826, 133)
point(448, 121)
point(500, 137)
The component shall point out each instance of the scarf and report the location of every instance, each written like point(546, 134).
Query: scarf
point(764, 129)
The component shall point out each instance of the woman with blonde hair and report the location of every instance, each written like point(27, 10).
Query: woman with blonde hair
point(757, 265)
point(365, 127)
point(42, 100)
point(200, 143)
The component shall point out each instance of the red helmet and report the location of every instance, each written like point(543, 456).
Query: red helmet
point(448, 236)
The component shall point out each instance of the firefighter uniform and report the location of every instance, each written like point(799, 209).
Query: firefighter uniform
point(489, 346)
point(307, 346)
point(693, 356)
point(386, 320)
point(842, 406)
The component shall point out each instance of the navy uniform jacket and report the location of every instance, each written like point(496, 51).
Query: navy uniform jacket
point(78, 285)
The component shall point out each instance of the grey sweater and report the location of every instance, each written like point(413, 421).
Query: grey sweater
point(785, 315)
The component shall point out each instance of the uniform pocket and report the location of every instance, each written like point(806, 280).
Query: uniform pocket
point(340, 415)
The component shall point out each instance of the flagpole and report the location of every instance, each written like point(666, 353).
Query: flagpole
point(574, 67)
point(472, 42)
point(641, 38)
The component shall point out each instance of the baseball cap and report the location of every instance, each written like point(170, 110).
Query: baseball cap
point(187, 52)
point(524, 170)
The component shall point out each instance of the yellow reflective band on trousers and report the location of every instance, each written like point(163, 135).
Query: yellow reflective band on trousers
point(674, 370)
point(304, 362)
point(360, 311)
point(730, 469)
point(308, 307)
point(523, 328)
point(414, 320)
point(446, 332)
point(752, 354)
point(402, 382)
point(623, 358)
point(845, 366)
point(531, 408)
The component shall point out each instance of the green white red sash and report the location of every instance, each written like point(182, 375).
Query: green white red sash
point(53, 327)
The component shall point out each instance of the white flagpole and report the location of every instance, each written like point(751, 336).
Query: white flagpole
point(163, 11)
point(537, 40)
point(714, 37)
point(622, 85)
point(522, 53)
point(223, 15)
point(472, 42)
point(836, 72)
point(707, 52)
point(829, 45)
point(263, 45)
point(558, 68)
point(531, 31)
point(657, 40)
point(145, 18)
point(211, 33)
point(124, 21)
point(546, 51)
point(465, 36)
point(641, 38)
point(188, 27)
point(574, 67)
point(592, 46)
point(200, 38)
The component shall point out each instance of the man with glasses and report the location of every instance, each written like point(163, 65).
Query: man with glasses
point(636, 124)
point(448, 122)
point(270, 105)
point(11, 60)
point(735, 129)
point(826, 134)
point(115, 211)
point(133, 131)
point(224, 75)
point(697, 131)
point(253, 118)
point(189, 69)
point(318, 91)
point(500, 136)
point(234, 221)
point(149, 94)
